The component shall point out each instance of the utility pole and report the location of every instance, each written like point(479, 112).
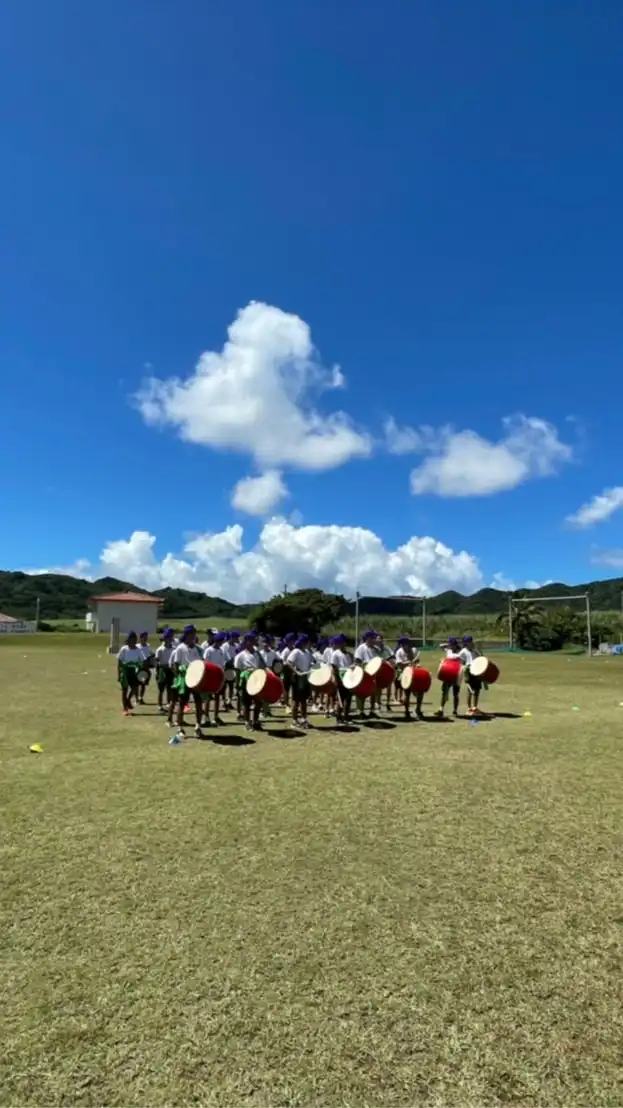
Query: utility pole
point(589, 632)
point(37, 612)
point(423, 621)
point(510, 621)
point(357, 617)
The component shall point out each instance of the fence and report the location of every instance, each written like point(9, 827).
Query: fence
point(25, 627)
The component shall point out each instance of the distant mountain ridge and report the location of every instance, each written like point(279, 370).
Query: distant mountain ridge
point(63, 597)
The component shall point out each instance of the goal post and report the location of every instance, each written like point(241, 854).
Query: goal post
point(536, 600)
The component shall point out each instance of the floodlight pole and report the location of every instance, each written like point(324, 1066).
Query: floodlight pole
point(588, 626)
point(423, 621)
point(357, 616)
point(510, 621)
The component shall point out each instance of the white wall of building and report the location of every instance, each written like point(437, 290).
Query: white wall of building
point(132, 616)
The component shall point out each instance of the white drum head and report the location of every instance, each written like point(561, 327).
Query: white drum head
point(373, 666)
point(353, 678)
point(320, 676)
point(406, 678)
point(256, 682)
point(142, 676)
point(194, 674)
point(230, 674)
point(479, 667)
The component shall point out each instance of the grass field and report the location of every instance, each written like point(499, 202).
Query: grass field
point(417, 914)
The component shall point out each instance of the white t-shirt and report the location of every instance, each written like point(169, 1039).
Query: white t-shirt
point(248, 659)
point(326, 655)
point(146, 651)
point(300, 660)
point(183, 655)
point(403, 657)
point(229, 650)
point(365, 653)
point(269, 656)
point(130, 654)
point(340, 659)
point(163, 655)
point(215, 655)
point(384, 652)
point(463, 655)
point(284, 653)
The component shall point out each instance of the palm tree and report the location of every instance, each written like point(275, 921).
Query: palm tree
point(526, 618)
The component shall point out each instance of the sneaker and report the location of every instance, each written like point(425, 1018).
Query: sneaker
point(198, 732)
point(218, 722)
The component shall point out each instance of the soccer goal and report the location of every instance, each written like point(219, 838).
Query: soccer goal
point(538, 600)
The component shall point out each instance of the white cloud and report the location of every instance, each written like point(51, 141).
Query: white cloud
point(255, 397)
point(612, 558)
point(332, 557)
point(599, 508)
point(257, 496)
point(506, 584)
point(463, 463)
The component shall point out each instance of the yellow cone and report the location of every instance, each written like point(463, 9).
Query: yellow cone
point(526, 714)
point(36, 748)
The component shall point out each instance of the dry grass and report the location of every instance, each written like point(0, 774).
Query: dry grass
point(427, 914)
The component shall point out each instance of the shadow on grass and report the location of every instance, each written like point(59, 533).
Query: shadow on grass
point(504, 715)
point(285, 733)
point(377, 725)
point(230, 740)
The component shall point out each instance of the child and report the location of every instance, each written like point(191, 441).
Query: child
point(286, 676)
point(462, 655)
point(148, 655)
point(248, 659)
point(230, 673)
point(188, 651)
point(299, 662)
point(215, 653)
point(410, 656)
point(341, 661)
point(474, 684)
point(164, 673)
point(364, 653)
point(269, 657)
point(129, 661)
point(388, 656)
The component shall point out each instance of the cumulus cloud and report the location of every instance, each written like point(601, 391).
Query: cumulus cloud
point(333, 558)
point(256, 396)
point(598, 509)
point(463, 463)
point(257, 496)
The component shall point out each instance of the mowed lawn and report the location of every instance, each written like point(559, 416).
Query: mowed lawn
point(420, 914)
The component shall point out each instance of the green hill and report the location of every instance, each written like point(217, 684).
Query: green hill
point(63, 597)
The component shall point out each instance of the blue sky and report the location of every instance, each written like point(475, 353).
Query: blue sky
point(427, 196)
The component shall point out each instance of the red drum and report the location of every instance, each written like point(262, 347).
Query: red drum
point(484, 670)
point(357, 681)
point(321, 679)
point(450, 671)
point(265, 685)
point(415, 679)
point(204, 677)
point(382, 671)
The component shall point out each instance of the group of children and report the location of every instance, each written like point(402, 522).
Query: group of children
point(293, 658)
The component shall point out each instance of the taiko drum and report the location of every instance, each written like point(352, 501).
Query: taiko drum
point(265, 685)
point(450, 671)
point(357, 681)
point(321, 679)
point(382, 671)
point(485, 670)
point(204, 677)
point(415, 679)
